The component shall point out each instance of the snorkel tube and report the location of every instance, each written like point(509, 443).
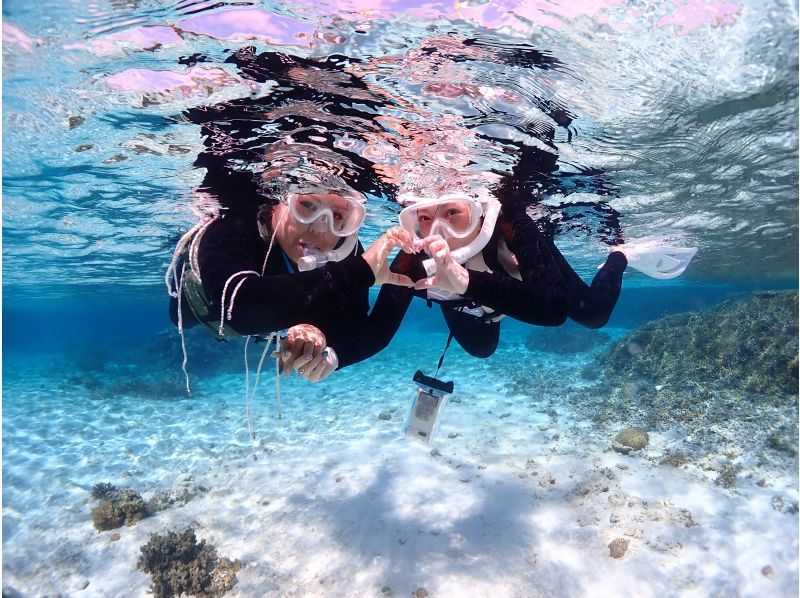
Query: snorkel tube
point(314, 258)
point(491, 211)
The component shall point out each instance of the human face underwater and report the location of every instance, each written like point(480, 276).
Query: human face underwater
point(316, 222)
point(455, 218)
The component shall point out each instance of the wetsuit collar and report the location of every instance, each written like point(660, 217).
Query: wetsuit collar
point(288, 262)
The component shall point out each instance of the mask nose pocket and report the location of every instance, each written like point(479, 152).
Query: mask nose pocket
point(321, 224)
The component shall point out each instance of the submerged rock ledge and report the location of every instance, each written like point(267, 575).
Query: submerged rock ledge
point(716, 390)
point(748, 343)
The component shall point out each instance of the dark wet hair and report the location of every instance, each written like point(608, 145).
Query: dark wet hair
point(264, 216)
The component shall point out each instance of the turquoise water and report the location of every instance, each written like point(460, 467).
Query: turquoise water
point(684, 122)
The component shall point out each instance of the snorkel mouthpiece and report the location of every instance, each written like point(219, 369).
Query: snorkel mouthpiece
point(314, 258)
point(311, 259)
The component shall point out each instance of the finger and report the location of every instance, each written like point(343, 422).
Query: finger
point(325, 370)
point(322, 370)
point(294, 352)
point(315, 375)
point(306, 356)
point(406, 245)
point(286, 349)
point(385, 246)
point(404, 239)
point(425, 283)
point(309, 373)
point(301, 362)
point(329, 369)
point(439, 245)
point(309, 366)
point(436, 247)
point(400, 280)
point(432, 239)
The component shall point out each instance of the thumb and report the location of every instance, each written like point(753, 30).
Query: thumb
point(400, 280)
point(425, 283)
point(385, 247)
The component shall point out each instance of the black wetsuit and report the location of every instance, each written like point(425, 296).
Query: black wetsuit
point(334, 297)
point(550, 291)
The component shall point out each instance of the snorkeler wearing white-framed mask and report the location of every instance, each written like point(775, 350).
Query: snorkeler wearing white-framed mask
point(292, 264)
point(481, 262)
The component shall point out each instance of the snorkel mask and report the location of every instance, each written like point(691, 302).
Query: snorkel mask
point(307, 181)
point(453, 216)
point(341, 214)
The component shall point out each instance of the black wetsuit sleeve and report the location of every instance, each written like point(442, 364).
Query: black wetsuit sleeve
point(356, 338)
point(278, 299)
point(345, 329)
point(540, 298)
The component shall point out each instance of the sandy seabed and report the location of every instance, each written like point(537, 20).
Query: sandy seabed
point(520, 495)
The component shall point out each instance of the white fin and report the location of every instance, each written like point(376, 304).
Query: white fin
point(658, 261)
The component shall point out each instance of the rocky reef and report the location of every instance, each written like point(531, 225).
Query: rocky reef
point(180, 565)
point(718, 388)
point(118, 507)
point(748, 343)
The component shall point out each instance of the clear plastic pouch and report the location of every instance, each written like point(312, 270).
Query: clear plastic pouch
point(426, 408)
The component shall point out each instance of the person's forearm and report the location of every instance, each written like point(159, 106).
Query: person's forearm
point(528, 301)
point(362, 337)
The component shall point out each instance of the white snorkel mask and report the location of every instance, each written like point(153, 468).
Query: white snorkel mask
point(343, 214)
point(424, 210)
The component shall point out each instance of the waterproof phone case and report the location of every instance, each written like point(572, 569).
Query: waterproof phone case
point(426, 408)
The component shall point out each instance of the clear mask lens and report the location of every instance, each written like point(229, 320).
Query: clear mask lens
point(448, 218)
point(343, 216)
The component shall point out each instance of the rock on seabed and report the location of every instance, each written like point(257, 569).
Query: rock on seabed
point(618, 547)
point(631, 439)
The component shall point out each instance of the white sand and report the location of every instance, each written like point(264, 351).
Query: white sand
point(520, 498)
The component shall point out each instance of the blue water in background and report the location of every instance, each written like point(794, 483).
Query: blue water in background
point(65, 326)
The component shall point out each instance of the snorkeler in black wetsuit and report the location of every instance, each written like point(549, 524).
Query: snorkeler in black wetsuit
point(334, 298)
point(545, 291)
point(279, 298)
point(242, 266)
